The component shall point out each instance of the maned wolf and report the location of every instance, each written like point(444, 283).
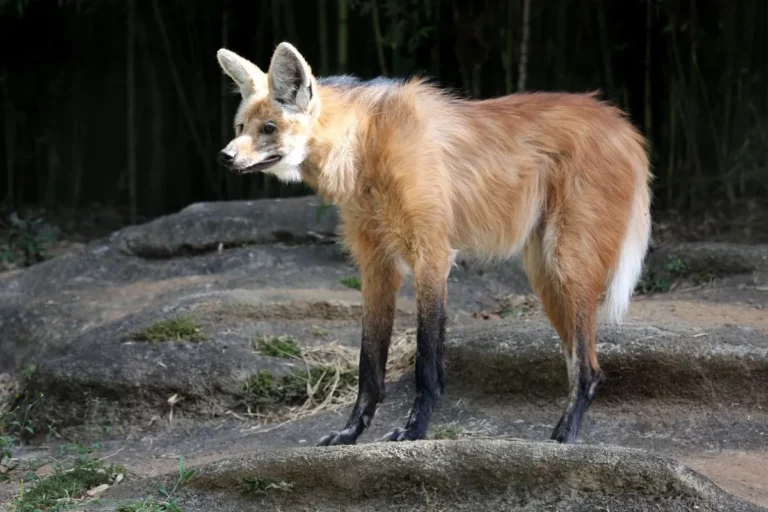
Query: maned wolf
point(419, 174)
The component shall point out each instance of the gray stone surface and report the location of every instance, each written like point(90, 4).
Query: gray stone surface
point(679, 382)
point(453, 475)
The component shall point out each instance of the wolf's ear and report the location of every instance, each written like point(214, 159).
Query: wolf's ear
point(247, 75)
point(290, 79)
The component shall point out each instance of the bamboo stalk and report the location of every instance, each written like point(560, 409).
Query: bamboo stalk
point(523, 67)
point(341, 56)
point(507, 50)
point(202, 149)
point(322, 25)
point(276, 31)
point(131, 107)
point(290, 22)
point(9, 118)
point(377, 37)
point(672, 133)
point(647, 93)
point(604, 45)
point(562, 31)
point(225, 121)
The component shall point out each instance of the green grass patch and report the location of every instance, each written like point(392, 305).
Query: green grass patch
point(261, 486)
point(352, 282)
point(278, 346)
point(180, 328)
point(67, 485)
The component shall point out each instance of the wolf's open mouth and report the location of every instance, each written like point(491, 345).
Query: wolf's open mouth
point(264, 164)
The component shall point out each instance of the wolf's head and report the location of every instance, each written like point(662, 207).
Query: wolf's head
point(276, 114)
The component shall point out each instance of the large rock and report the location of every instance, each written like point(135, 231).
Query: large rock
point(202, 227)
point(725, 365)
point(446, 475)
point(709, 258)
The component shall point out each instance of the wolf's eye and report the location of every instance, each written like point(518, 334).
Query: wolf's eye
point(268, 128)
point(238, 129)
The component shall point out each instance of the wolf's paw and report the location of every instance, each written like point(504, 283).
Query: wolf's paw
point(337, 438)
point(402, 434)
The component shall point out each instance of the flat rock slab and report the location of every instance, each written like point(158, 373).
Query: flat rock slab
point(445, 475)
point(720, 365)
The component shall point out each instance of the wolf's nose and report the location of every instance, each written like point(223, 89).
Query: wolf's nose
point(226, 156)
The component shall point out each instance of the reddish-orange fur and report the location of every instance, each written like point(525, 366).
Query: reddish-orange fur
point(418, 174)
point(486, 177)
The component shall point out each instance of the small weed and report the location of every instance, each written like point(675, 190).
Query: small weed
point(67, 485)
point(446, 432)
point(705, 276)
point(324, 207)
point(23, 242)
point(149, 505)
point(676, 267)
point(261, 486)
point(352, 282)
point(181, 328)
point(278, 346)
point(169, 504)
point(6, 443)
point(661, 281)
point(29, 372)
point(652, 284)
point(318, 331)
point(19, 422)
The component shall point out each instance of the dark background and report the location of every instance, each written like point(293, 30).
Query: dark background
point(122, 105)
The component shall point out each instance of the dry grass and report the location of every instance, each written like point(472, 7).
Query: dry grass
point(336, 385)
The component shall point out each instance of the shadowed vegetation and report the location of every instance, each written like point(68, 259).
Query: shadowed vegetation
point(126, 106)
